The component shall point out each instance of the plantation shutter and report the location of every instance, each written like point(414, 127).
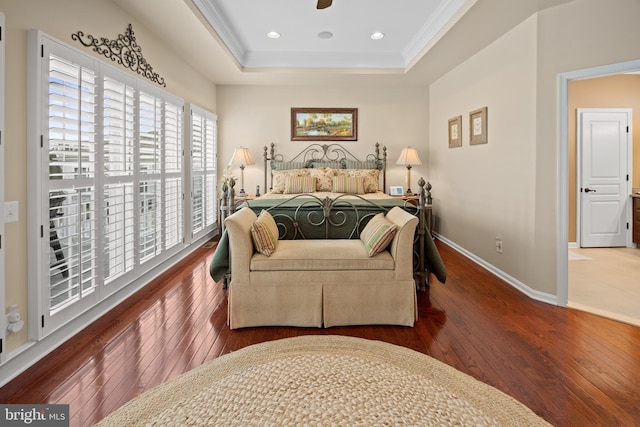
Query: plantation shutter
point(210, 150)
point(173, 214)
point(72, 107)
point(119, 166)
point(197, 169)
point(203, 137)
point(150, 191)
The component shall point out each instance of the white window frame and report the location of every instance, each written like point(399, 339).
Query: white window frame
point(42, 319)
point(208, 171)
point(3, 243)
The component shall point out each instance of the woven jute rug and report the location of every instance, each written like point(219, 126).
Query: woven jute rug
point(324, 380)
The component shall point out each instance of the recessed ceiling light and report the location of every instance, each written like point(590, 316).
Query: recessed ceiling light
point(377, 35)
point(325, 34)
point(273, 35)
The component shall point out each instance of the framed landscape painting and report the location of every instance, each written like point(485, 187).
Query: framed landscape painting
point(324, 124)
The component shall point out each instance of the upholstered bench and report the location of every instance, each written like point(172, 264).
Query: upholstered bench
point(321, 282)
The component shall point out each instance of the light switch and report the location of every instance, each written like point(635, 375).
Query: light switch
point(10, 212)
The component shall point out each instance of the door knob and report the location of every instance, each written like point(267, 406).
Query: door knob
point(589, 190)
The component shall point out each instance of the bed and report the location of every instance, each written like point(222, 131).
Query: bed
point(327, 192)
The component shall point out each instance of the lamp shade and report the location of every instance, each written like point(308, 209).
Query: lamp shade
point(242, 157)
point(409, 156)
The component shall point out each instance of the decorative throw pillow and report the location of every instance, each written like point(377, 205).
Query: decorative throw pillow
point(348, 184)
point(280, 178)
point(371, 177)
point(377, 234)
point(264, 233)
point(300, 184)
point(323, 178)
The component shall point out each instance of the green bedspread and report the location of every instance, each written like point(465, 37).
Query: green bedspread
point(220, 264)
point(296, 218)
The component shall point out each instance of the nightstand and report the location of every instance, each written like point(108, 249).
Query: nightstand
point(224, 211)
point(247, 197)
point(414, 199)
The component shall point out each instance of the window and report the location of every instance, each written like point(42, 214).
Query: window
point(203, 136)
point(113, 195)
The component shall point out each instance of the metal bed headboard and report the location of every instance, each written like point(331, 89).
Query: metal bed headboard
point(324, 153)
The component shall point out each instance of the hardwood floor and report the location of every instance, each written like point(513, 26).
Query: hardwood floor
point(570, 367)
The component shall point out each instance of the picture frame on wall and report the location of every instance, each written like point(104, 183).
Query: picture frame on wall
point(478, 126)
point(324, 124)
point(455, 132)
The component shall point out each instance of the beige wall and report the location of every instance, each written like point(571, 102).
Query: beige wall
point(575, 36)
point(255, 116)
point(509, 187)
point(487, 191)
point(60, 19)
point(619, 91)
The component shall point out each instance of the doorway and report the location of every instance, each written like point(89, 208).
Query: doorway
point(568, 196)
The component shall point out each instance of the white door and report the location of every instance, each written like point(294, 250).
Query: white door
point(604, 143)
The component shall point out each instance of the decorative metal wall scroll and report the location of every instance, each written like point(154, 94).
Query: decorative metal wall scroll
point(124, 50)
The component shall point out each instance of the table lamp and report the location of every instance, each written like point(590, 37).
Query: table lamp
point(408, 157)
point(242, 157)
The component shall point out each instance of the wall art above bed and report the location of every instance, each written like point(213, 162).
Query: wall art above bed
point(324, 124)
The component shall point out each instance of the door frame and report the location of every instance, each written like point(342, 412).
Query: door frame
point(3, 239)
point(579, 161)
point(562, 167)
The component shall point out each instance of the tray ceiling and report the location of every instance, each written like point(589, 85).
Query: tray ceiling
point(336, 37)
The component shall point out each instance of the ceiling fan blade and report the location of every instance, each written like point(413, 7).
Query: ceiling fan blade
point(323, 4)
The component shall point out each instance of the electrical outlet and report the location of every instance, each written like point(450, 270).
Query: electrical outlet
point(10, 212)
point(499, 245)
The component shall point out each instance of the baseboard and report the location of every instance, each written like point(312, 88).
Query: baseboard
point(531, 293)
point(28, 354)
